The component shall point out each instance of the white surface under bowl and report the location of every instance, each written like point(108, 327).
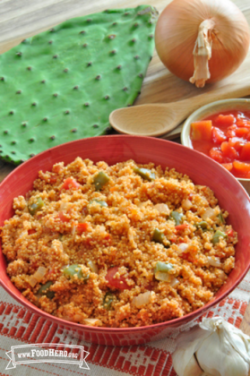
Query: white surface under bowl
point(239, 104)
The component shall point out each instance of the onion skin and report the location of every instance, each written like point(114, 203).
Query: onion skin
point(177, 30)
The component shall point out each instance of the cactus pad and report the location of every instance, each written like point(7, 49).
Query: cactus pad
point(62, 84)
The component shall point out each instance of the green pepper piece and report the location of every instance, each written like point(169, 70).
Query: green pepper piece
point(218, 234)
point(221, 218)
point(73, 269)
point(163, 267)
point(100, 180)
point(44, 290)
point(108, 300)
point(100, 202)
point(145, 173)
point(203, 225)
point(33, 208)
point(158, 236)
point(177, 217)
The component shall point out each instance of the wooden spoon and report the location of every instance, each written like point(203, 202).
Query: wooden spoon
point(159, 118)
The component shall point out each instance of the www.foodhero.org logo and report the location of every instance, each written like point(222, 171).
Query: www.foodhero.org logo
point(47, 353)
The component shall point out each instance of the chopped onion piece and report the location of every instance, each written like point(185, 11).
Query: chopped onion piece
point(186, 204)
point(174, 282)
point(162, 209)
point(214, 261)
point(161, 276)
point(92, 266)
point(73, 232)
point(142, 299)
point(208, 214)
point(91, 321)
point(183, 247)
point(37, 276)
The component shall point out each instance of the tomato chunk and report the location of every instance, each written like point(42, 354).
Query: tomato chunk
point(216, 154)
point(236, 143)
point(228, 166)
point(229, 151)
point(225, 119)
point(201, 130)
point(243, 123)
point(62, 217)
point(231, 131)
point(245, 152)
point(182, 227)
point(241, 132)
point(117, 283)
point(70, 183)
point(218, 136)
point(82, 227)
point(242, 169)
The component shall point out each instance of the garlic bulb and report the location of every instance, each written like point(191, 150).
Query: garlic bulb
point(212, 348)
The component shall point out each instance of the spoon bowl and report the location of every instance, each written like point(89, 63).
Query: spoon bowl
point(160, 118)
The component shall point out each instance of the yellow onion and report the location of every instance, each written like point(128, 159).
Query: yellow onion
point(202, 40)
point(37, 276)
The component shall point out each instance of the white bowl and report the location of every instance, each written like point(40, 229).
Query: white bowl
point(239, 104)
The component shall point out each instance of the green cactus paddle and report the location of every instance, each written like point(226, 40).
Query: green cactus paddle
point(62, 84)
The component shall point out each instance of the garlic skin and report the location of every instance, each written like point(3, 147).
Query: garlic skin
point(212, 348)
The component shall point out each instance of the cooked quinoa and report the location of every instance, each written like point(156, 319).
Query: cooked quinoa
point(118, 246)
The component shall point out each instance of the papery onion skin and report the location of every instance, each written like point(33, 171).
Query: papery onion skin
point(177, 30)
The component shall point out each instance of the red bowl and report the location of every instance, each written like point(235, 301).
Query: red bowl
point(112, 149)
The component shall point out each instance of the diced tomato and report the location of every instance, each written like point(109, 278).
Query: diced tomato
point(173, 239)
point(241, 132)
point(236, 143)
point(218, 136)
point(230, 233)
point(53, 179)
point(216, 154)
point(182, 227)
point(230, 132)
point(201, 130)
point(242, 169)
point(228, 166)
point(63, 217)
point(245, 152)
point(117, 283)
point(82, 227)
point(225, 119)
point(31, 231)
point(70, 183)
point(229, 151)
point(244, 123)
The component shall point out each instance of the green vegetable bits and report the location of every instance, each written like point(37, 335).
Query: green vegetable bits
point(45, 290)
point(75, 271)
point(100, 180)
point(36, 206)
point(62, 84)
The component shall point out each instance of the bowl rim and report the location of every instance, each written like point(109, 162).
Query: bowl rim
point(112, 330)
point(193, 115)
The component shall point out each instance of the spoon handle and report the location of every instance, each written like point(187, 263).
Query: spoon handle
point(240, 89)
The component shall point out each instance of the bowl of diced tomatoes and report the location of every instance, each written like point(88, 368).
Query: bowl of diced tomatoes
point(221, 130)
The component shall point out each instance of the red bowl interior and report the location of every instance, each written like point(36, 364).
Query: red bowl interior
point(112, 149)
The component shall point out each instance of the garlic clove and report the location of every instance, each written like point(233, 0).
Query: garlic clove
point(214, 347)
point(217, 358)
point(184, 361)
point(184, 366)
